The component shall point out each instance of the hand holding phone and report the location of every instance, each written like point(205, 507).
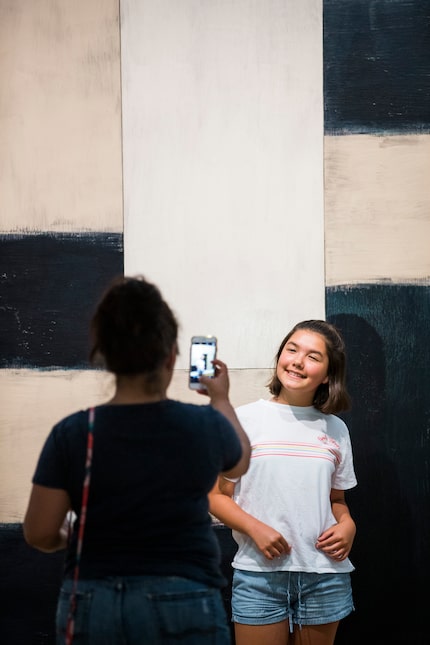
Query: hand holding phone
point(202, 354)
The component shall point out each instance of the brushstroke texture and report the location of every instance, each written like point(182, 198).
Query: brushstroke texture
point(377, 206)
point(387, 337)
point(376, 66)
point(48, 286)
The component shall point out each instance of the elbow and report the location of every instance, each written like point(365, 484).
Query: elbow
point(45, 547)
point(239, 469)
point(242, 467)
point(45, 543)
point(34, 542)
point(243, 464)
point(28, 537)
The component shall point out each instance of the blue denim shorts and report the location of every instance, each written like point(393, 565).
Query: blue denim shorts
point(262, 598)
point(156, 610)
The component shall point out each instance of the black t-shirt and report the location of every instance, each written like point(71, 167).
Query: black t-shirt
point(153, 465)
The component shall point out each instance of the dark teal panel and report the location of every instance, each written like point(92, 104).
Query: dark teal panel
point(387, 332)
point(49, 284)
point(376, 66)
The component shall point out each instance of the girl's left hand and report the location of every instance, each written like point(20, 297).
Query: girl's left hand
point(336, 541)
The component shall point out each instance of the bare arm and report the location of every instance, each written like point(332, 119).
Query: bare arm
point(267, 539)
point(45, 519)
point(218, 389)
point(337, 540)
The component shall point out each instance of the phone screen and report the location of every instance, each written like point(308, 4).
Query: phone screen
point(203, 352)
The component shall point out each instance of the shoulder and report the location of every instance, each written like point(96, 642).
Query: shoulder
point(250, 409)
point(66, 437)
point(191, 410)
point(337, 428)
point(255, 417)
point(202, 415)
point(333, 421)
point(71, 425)
point(72, 420)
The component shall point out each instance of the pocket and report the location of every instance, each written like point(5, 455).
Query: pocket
point(192, 617)
point(81, 615)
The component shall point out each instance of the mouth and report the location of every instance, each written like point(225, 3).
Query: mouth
point(295, 374)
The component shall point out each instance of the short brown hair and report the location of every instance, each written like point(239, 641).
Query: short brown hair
point(330, 397)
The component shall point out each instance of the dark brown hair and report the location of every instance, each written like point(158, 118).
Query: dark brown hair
point(133, 329)
point(330, 397)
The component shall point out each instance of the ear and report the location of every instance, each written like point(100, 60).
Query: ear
point(325, 380)
point(171, 359)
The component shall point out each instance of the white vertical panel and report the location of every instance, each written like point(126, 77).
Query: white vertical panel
point(223, 165)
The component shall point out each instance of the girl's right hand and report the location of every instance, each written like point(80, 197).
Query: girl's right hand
point(269, 541)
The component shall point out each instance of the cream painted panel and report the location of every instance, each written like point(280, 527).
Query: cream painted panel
point(33, 401)
point(60, 116)
point(223, 165)
point(377, 208)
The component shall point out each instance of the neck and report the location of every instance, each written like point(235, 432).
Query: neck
point(135, 389)
point(289, 399)
point(129, 398)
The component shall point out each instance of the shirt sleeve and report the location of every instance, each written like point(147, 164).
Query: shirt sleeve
point(344, 476)
point(51, 468)
point(231, 449)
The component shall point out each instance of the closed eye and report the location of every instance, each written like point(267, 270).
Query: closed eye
point(290, 348)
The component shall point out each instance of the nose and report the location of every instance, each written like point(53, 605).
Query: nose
point(298, 361)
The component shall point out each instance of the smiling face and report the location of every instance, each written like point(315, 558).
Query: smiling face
point(302, 367)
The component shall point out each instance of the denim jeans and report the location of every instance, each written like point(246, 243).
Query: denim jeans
point(144, 610)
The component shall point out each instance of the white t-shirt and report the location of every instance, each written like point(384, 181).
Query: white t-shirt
point(298, 455)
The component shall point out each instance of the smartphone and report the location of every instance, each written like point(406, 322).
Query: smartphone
point(202, 353)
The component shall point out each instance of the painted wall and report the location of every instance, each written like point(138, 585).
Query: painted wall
point(61, 216)
point(203, 130)
point(212, 119)
point(377, 223)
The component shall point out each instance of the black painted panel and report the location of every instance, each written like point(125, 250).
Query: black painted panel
point(29, 586)
point(49, 284)
point(376, 66)
point(387, 332)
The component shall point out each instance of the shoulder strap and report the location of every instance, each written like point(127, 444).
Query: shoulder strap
point(83, 516)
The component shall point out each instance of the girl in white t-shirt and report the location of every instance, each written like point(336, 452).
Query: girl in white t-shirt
point(291, 582)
